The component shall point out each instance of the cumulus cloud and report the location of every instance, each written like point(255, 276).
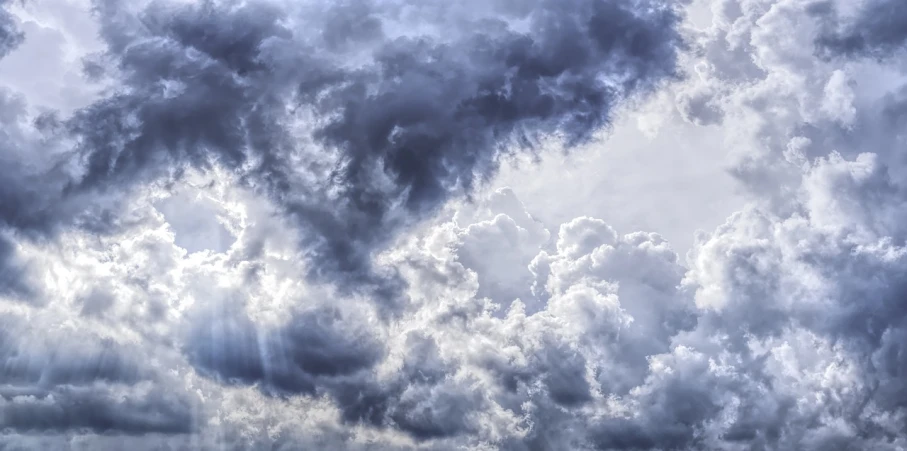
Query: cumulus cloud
point(344, 145)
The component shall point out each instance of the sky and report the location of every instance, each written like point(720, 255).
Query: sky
point(474, 225)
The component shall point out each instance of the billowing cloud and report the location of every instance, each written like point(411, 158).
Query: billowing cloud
point(345, 120)
point(340, 150)
point(341, 114)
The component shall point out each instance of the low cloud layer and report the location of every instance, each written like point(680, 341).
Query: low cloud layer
point(373, 294)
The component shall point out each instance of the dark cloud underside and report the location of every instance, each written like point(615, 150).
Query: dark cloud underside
point(879, 29)
point(10, 35)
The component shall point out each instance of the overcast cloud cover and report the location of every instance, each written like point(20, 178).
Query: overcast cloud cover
point(396, 225)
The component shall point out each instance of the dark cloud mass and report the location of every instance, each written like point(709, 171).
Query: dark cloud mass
point(53, 382)
point(400, 128)
point(419, 118)
point(315, 347)
point(10, 35)
point(877, 30)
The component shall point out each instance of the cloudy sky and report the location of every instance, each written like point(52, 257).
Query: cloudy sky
point(471, 225)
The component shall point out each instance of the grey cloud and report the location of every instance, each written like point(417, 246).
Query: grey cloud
point(79, 382)
point(811, 275)
point(674, 409)
point(221, 84)
point(564, 375)
point(424, 408)
point(878, 30)
point(24, 206)
point(784, 330)
point(890, 362)
point(420, 399)
point(13, 274)
point(421, 119)
point(10, 35)
point(698, 107)
point(321, 352)
point(432, 412)
point(226, 344)
point(806, 306)
point(86, 408)
point(516, 237)
point(312, 349)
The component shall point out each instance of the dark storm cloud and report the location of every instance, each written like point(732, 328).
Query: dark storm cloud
point(13, 274)
point(420, 399)
point(87, 408)
point(878, 30)
point(23, 201)
point(10, 35)
point(564, 374)
point(326, 352)
point(78, 382)
point(314, 348)
point(421, 118)
point(396, 132)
